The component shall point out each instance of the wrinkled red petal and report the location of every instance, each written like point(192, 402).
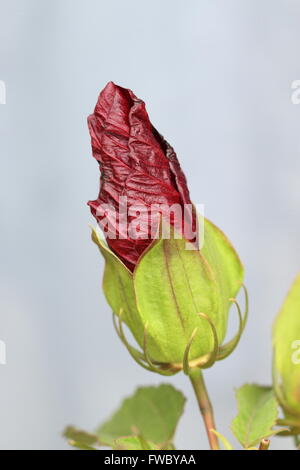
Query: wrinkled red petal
point(135, 162)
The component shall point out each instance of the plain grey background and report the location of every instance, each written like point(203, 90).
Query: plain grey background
point(216, 76)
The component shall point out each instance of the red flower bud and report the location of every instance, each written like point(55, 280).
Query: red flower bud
point(136, 164)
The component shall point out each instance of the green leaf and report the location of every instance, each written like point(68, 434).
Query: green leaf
point(173, 284)
point(227, 267)
point(286, 356)
point(118, 288)
point(81, 439)
point(133, 443)
point(152, 412)
point(257, 414)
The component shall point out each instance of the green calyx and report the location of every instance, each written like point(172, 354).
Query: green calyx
point(286, 356)
point(176, 302)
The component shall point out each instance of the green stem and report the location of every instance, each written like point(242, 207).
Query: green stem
point(205, 406)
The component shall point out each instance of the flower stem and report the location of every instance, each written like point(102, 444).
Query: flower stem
point(264, 444)
point(205, 406)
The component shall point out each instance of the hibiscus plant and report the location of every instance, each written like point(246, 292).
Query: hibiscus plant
point(171, 278)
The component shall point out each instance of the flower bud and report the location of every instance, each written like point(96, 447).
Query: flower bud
point(286, 355)
point(177, 300)
point(173, 296)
